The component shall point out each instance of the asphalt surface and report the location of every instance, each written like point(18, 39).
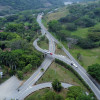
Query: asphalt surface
point(81, 71)
point(32, 89)
point(28, 87)
point(38, 74)
point(9, 87)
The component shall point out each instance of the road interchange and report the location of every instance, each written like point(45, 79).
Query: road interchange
point(80, 70)
point(21, 92)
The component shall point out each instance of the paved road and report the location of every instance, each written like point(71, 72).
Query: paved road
point(8, 87)
point(64, 49)
point(38, 74)
point(34, 78)
point(81, 71)
point(26, 87)
point(32, 89)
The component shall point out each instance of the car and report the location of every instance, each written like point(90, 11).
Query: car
point(48, 52)
point(51, 53)
point(73, 64)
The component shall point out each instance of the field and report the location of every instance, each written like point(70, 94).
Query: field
point(61, 12)
point(43, 44)
point(83, 32)
point(57, 71)
point(89, 56)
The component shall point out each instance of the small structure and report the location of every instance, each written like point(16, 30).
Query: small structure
point(7, 49)
point(1, 74)
point(1, 30)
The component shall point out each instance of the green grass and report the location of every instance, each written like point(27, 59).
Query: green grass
point(60, 51)
point(62, 12)
point(57, 71)
point(43, 44)
point(36, 95)
point(89, 56)
point(81, 32)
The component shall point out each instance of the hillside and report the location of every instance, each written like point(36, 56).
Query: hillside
point(77, 26)
point(8, 6)
point(79, 0)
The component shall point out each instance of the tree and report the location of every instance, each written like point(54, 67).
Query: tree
point(79, 57)
point(71, 27)
point(94, 36)
point(42, 70)
point(56, 85)
point(74, 92)
point(63, 34)
point(11, 72)
point(86, 43)
point(94, 71)
point(27, 68)
point(77, 93)
point(85, 22)
point(59, 46)
point(20, 74)
point(51, 96)
point(54, 26)
point(85, 97)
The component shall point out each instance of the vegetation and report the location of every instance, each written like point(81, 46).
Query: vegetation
point(11, 6)
point(74, 72)
point(51, 96)
point(56, 71)
point(94, 71)
point(55, 15)
point(79, 17)
point(47, 94)
point(76, 93)
point(16, 52)
point(56, 85)
point(72, 93)
point(81, 40)
point(43, 42)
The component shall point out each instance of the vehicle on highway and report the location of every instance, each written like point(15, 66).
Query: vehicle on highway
point(48, 52)
point(51, 53)
point(72, 63)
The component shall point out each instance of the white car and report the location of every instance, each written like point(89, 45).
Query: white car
point(48, 52)
point(74, 64)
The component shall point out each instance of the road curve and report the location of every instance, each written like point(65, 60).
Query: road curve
point(81, 71)
point(34, 88)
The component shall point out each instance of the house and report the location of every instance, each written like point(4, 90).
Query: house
point(7, 49)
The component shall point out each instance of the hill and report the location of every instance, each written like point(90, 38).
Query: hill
point(78, 27)
point(12, 6)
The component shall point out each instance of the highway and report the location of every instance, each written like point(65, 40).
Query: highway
point(29, 86)
point(81, 71)
point(34, 88)
point(19, 93)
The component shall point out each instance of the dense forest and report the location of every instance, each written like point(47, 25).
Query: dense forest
point(80, 16)
point(78, 0)
point(12, 6)
point(17, 55)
